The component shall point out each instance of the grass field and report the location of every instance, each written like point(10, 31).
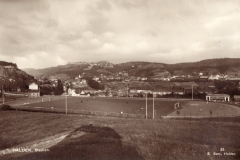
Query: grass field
point(114, 138)
point(117, 105)
point(200, 109)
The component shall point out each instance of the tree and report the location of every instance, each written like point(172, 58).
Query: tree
point(94, 84)
point(59, 88)
point(46, 91)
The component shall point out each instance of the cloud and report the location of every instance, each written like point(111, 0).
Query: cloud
point(47, 33)
point(42, 59)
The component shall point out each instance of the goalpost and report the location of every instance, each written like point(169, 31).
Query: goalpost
point(6, 96)
point(44, 99)
point(176, 105)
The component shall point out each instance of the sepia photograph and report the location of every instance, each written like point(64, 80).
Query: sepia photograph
point(120, 79)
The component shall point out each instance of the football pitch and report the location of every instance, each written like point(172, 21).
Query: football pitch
point(114, 105)
point(201, 109)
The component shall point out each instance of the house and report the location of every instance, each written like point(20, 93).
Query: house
point(33, 94)
point(141, 89)
point(101, 94)
point(162, 91)
point(178, 91)
point(214, 77)
point(84, 94)
point(69, 92)
point(33, 90)
point(73, 93)
point(166, 90)
point(33, 86)
point(203, 78)
point(233, 79)
point(133, 95)
point(236, 98)
point(218, 97)
point(110, 94)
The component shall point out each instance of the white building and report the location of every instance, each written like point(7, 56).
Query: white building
point(33, 90)
point(33, 86)
point(218, 97)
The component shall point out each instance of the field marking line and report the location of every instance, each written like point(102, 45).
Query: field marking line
point(195, 104)
point(184, 106)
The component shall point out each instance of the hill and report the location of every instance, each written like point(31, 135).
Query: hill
point(229, 66)
point(12, 78)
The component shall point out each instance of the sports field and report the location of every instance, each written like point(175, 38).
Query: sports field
point(200, 109)
point(116, 105)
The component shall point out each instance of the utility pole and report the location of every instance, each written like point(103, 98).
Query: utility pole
point(153, 106)
point(146, 105)
point(2, 95)
point(192, 91)
point(66, 102)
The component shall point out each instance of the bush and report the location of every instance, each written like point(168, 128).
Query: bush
point(4, 107)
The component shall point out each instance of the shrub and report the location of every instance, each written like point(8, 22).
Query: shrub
point(4, 107)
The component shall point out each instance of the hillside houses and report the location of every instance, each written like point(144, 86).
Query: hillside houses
point(182, 88)
point(122, 84)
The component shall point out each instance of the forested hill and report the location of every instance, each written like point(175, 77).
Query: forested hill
point(229, 66)
point(13, 78)
point(3, 63)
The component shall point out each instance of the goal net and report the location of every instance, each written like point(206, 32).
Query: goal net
point(44, 99)
point(6, 96)
point(176, 105)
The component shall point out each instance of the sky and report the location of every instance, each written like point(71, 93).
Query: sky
point(46, 33)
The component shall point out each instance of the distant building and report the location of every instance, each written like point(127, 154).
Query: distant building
point(33, 94)
point(133, 95)
point(233, 79)
point(236, 98)
point(218, 97)
point(33, 86)
point(203, 78)
point(101, 94)
point(214, 77)
point(33, 90)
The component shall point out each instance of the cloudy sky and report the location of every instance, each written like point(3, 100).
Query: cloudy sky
point(45, 33)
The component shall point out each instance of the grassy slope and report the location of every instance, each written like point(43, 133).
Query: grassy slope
point(128, 138)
